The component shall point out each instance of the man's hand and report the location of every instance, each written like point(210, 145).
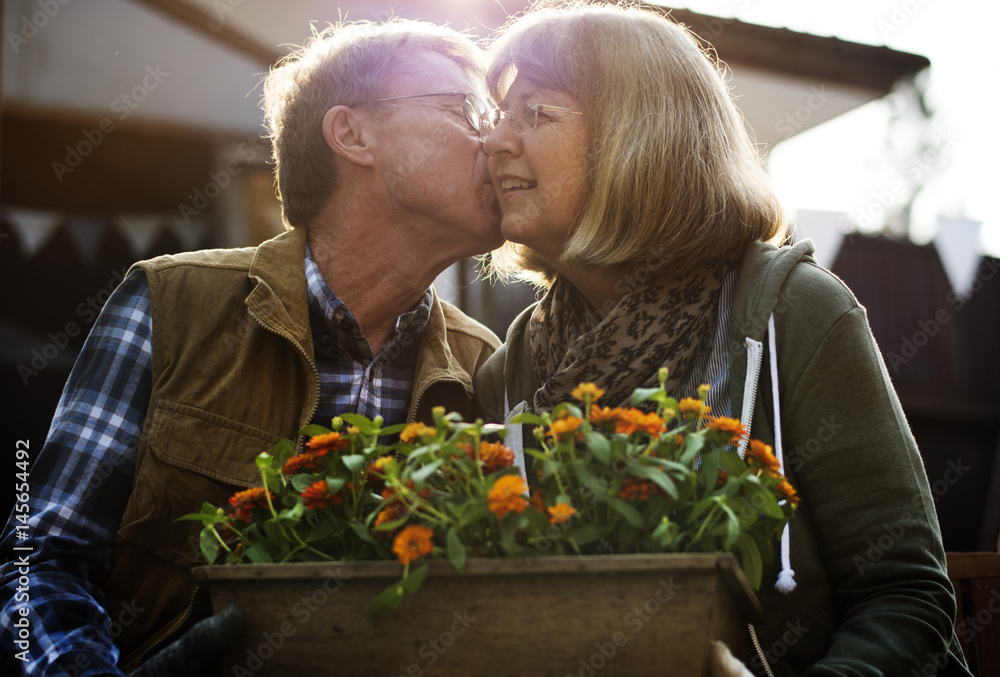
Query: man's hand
point(204, 643)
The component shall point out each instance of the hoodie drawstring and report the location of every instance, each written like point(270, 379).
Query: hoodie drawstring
point(786, 579)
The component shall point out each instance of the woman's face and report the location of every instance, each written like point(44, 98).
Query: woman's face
point(541, 176)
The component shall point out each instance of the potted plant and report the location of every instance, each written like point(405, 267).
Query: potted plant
point(636, 544)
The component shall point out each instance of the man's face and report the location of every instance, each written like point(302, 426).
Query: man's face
point(431, 161)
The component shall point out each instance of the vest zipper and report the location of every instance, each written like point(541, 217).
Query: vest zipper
point(312, 363)
point(160, 642)
point(760, 652)
point(755, 354)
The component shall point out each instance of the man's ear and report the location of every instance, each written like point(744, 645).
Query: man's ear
point(347, 134)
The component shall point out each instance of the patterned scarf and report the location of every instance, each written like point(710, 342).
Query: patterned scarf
point(656, 324)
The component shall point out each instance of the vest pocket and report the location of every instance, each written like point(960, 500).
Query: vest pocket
point(190, 456)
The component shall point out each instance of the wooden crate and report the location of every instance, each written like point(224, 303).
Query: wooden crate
point(606, 615)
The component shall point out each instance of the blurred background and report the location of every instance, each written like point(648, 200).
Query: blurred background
point(131, 128)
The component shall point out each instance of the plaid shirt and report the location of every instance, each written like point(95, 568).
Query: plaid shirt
point(57, 562)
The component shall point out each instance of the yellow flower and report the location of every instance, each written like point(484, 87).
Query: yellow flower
point(353, 430)
point(703, 390)
point(416, 430)
point(564, 425)
point(412, 543)
point(494, 456)
point(787, 491)
point(560, 512)
point(761, 455)
point(507, 495)
point(691, 408)
point(723, 424)
point(635, 420)
point(584, 390)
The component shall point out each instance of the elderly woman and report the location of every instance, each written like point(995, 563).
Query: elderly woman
point(632, 194)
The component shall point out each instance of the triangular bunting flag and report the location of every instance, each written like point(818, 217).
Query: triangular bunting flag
point(956, 246)
point(34, 227)
point(140, 231)
point(87, 235)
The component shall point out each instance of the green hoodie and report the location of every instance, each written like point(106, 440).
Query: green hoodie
point(872, 594)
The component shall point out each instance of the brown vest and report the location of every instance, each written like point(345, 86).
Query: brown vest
point(233, 373)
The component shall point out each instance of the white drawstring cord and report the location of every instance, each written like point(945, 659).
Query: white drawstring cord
point(786, 579)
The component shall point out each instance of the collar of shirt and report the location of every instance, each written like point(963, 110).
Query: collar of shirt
point(340, 330)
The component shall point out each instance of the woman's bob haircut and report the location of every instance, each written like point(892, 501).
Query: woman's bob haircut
point(672, 171)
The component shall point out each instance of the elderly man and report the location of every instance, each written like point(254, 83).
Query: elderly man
point(203, 360)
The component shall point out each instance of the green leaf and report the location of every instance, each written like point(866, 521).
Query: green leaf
point(692, 445)
point(426, 471)
point(283, 451)
point(731, 462)
point(392, 430)
point(258, 554)
point(750, 560)
point(640, 395)
point(416, 578)
point(528, 419)
point(759, 498)
point(588, 533)
point(627, 511)
point(710, 468)
point(599, 446)
point(654, 475)
point(354, 462)
point(209, 544)
point(665, 535)
point(312, 430)
point(456, 550)
point(300, 482)
point(366, 425)
point(732, 527)
point(387, 600)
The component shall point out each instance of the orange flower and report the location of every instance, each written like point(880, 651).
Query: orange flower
point(416, 430)
point(761, 455)
point(507, 495)
point(394, 512)
point(413, 542)
point(244, 502)
point(635, 420)
point(317, 495)
point(602, 415)
point(380, 465)
point(691, 408)
point(564, 426)
point(723, 424)
point(321, 444)
point(495, 456)
point(305, 462)
point(560, 513)
point(787, 491)
point(538, 499)
point(633, 487)
point(584, 390)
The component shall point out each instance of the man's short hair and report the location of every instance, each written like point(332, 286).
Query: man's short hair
point(347, 64)
point(672, 171)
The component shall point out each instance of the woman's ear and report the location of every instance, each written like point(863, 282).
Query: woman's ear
point(347, 134)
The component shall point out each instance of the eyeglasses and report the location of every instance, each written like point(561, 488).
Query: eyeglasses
point(475, 111)
point(520, 123)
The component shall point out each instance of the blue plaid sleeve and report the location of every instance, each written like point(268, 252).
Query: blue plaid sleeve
point(58, 553)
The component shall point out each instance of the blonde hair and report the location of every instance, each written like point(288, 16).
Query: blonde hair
point(347, 64)
point(672, 170)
